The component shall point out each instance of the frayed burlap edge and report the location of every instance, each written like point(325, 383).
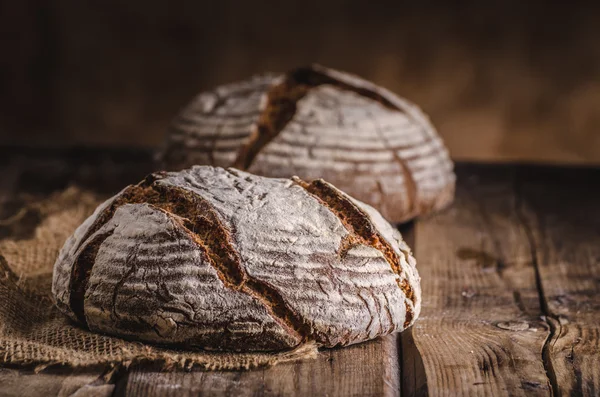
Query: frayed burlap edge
point(34, 333)
point(163, 359)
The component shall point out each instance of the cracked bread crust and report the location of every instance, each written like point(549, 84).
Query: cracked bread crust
point(222, 259)
point(363, 231)
point(316, 122)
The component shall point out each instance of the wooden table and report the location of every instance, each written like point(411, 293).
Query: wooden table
point(511, 292)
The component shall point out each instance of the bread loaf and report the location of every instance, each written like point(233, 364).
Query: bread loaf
point(222, 259)
point(319, 123)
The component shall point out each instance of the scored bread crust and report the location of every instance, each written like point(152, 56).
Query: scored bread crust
point(320, 123)
point(222, 259)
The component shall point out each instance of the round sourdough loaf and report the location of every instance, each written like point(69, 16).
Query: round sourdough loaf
point(222, 259)
point(319, 123)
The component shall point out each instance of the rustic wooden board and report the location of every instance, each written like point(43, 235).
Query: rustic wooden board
point(413, 380)
point(480, 329)
point(55, 382)
point(562, 214)
point(368, 369)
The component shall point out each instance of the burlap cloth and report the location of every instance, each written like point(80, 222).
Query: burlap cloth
point(34, 332)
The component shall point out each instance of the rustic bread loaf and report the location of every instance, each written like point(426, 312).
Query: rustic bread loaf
point(222, 259)
point(319, 123)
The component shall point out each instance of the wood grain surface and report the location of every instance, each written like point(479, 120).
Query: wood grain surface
point(510, 280)
point(368, 369)
point(563, 224)
point(93, 382)
point(480, 328)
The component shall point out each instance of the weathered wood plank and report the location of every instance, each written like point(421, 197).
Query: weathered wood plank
point(367, 369)
point(413, 381)
point(60, 382)
point(480, 330)
point(562, 214)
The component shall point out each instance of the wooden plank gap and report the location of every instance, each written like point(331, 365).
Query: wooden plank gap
point(547, 317)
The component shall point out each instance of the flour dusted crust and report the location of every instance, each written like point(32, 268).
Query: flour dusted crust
point(222, 259)
point(320, 123)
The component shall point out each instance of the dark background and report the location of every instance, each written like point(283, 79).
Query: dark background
point(501, 80)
